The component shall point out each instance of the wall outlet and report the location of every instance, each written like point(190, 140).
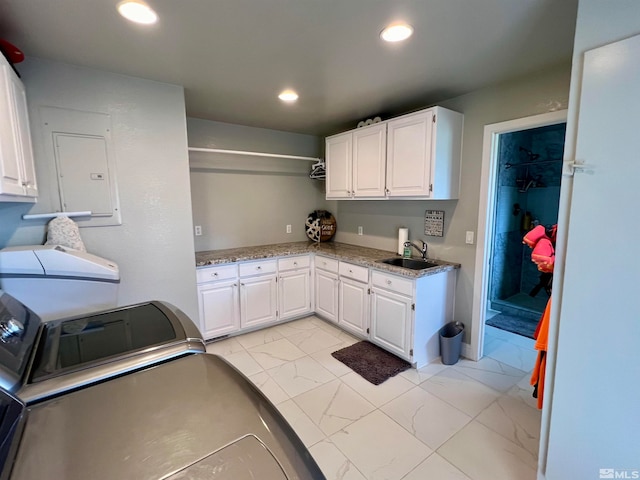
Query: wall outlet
point(469, 238)
point(359, 230)
point(288, 228)
point(198, 230)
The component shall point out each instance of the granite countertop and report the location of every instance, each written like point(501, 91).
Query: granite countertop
point(369, 257)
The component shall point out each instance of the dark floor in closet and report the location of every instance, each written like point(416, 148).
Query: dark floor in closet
point(513, 324)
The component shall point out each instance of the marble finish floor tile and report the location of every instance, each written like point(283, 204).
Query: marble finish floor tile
point(426, 417)
point(300, 375)
point(328, 361)
point(512, 418)
point(492, 373)
point(378, 395)
point(380, 448)
point(244, 362)
point(483, 454)
point(269, 387)
point(225, 347)
point(297, 326)
point(314, 340)
point(333, 406)
point(308, 432)
point(333, 463)
point(461, 391)
point(524, 391)
point(275, 353)
point(437, 468)
point(259, 337)
point(513, 355)
point(417, 376)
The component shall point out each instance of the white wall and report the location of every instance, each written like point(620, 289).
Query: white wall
point(154, 245)
point(541, 93)
point(591, 415)
point(243, 200)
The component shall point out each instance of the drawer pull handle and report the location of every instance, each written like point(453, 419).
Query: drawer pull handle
point(214, 274)
point(258, 268)
point(295, 264)
point(350, 271)
point(388, 282)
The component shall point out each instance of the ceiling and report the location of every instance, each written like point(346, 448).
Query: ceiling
point(234, 56)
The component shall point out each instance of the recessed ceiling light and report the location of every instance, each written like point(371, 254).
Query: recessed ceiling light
point(137, 11)
point(396, 32)
point(288, 96)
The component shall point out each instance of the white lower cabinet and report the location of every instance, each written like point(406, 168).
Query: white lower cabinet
point(218, 300)
point(258, 293)
point(326, 295)
point(294, 287)
point(354, 303)
point(391, 321)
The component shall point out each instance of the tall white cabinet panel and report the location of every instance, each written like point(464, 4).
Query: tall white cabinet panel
point(219, 308)
point(409, 155)
point(258, 300)
point(294, 286)
point(17, 173)
point(391, 322)
point(339, 156)
point(354, 301)
point(369, 151)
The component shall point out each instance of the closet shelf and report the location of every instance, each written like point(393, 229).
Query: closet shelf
point(253, 154)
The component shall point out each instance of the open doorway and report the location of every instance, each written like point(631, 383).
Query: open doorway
point(527, 194)
point(521, 172)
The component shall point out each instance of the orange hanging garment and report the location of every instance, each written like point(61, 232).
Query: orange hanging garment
point(541, 336)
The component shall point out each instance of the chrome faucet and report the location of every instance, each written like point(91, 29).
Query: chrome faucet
point(423, 250)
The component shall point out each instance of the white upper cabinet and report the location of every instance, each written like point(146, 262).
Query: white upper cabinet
point(17, 173)
point(423, 154)
point(415, 156)
point(356, 163)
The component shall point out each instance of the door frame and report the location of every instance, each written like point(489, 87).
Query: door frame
point(486, 215)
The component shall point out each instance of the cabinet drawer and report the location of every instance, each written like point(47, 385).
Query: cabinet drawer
point(222, 272)
point(392, 282)
point(328, 264)
point(354, 271)
point(258, 268)
point(293, 263)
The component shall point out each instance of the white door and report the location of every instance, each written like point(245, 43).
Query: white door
point(258, 297)
point(596, 392)
point(409, 141)
point(339, 155)
point(326, 295)
point(294, 293)
point(369, 154)
point(391, 321)
point(219, 308)
point(354, 311)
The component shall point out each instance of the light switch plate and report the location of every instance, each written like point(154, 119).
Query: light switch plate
point(469, 238)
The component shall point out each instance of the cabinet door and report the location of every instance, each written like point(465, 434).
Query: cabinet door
point(409, 150)
point(391, 322)
point(326, 294)
point(258, 297)
point(339, 154)
point(24, 141)
point(369, 153)
point(294, 293)
point(354, 311)
point(10, 148)
point(219, 308)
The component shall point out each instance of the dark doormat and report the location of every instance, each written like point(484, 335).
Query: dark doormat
point(513, 324)
point(371, 362)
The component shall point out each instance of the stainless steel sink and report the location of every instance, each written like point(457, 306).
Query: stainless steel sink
point(410, 263)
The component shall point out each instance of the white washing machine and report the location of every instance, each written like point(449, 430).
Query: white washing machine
point(56, 281)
